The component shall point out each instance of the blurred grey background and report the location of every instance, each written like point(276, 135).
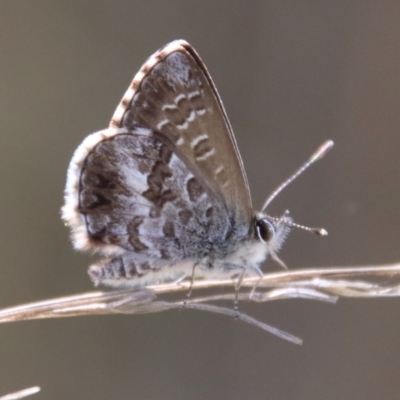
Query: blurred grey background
point(291, 74)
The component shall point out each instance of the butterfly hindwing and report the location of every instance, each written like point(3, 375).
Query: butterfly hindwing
point(147, 201)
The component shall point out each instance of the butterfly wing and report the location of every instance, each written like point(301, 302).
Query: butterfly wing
point(165, 182)
point(174, 94)
point(136, 194)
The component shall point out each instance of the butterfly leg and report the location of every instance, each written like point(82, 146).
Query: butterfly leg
point(237, 288)
point(260, 275)
point(189, 293)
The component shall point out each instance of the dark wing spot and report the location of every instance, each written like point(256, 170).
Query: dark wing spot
point(159, 172)
point(165, 254)
point(98, 180)
point(202, 147)
point(198, 102)
point(98, 236)
point(171, 132)
point(185, 216)
point(169, 229)
point(194, 189)
point(181, 113)
point(133, 226)
point(165, 154)
point(176, 116)
point(90, 200)
point(133, 231)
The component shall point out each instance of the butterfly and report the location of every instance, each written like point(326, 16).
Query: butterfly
point(162, 192)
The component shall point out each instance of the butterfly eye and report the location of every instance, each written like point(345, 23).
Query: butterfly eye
point(265, 230)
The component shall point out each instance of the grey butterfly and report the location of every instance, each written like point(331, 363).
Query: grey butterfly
point(163, 188)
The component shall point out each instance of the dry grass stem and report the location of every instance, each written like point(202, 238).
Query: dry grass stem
point(21, 393)
point(324, 284)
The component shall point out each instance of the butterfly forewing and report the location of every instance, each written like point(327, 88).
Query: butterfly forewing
point(173, 95)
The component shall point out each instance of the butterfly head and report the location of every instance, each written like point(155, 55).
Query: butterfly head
point(272, 231)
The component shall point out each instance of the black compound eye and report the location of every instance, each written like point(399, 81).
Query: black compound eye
point(265, 230)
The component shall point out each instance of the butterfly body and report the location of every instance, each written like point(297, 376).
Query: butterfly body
point(163, 189)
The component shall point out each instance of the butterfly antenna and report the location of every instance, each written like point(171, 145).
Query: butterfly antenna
point(289, 222)
point(317, 231)
point(317, 155)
